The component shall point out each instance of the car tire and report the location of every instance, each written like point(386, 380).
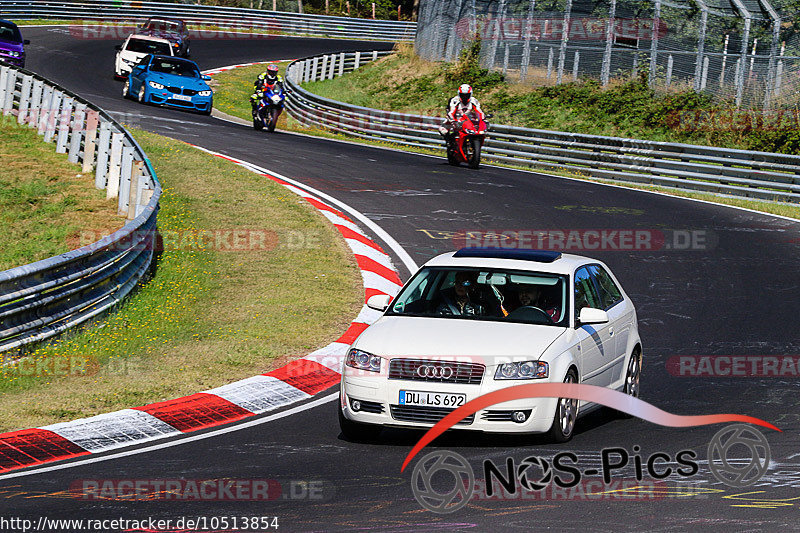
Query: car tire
point(632, 376)
point(126, 89)
point(142, 95)
point(356, 431)
point(566, 414)
point(207, 111)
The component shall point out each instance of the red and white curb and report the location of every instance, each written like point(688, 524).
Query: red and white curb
point(213, 71)
point(296, 381)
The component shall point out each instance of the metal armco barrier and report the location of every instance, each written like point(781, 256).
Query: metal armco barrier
point(45, 298)
point(761, 175)
point(216, 16)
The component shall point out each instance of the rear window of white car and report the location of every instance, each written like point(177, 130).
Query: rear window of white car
point(145, 46)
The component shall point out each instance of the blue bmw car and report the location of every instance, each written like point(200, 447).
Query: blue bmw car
point(169, 81)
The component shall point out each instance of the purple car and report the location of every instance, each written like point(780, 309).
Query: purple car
point(12, 46)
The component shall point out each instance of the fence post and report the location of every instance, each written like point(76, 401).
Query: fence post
point(651, 80)
point(77, 133)
point(669, 70)
point(357, 61)
point(314, 63)
point(332, 66)
point(341, 63)
point(136, 173)
point(704, 76)
point(125, 180)
point(701, 44)
point(505, 61)
point(575, 63)
point(103, 148)
point(52, 115)
point(605, 71)
point(324, 68)
point(549, 62)
point(741, 62)
point(114, 166)
point(562, 51)
point(64, 118)
point(374, 55)
point(89, 143)
point(11, 84)
point(24, 99)
point(526, 52)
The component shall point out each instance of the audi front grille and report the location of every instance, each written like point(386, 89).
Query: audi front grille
point(436, 371)
point(425, 415)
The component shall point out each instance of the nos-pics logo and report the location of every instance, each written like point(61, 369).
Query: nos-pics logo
point(443, 481)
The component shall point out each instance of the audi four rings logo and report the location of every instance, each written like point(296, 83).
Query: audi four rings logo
point(432, 371)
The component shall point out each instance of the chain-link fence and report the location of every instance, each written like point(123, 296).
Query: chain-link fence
point(744, 51)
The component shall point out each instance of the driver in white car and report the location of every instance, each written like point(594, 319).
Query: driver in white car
point(531, 295)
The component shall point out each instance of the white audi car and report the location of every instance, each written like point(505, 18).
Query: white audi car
point(135, 48)
point(481, 319)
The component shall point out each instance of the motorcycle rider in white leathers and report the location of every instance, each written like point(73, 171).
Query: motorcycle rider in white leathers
point(458, 106)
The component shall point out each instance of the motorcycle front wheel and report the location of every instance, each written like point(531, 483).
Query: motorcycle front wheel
point(474, 152)
point(274, 119)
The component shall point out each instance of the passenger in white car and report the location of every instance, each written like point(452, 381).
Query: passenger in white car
point(460, 299)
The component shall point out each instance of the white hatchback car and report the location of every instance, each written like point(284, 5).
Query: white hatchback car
point(481, 319)
point(135, 48)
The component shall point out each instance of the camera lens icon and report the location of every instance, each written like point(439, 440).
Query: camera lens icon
point(447, 471)
point(727, 462)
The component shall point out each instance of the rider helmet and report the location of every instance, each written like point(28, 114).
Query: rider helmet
point(272, 73)
point(465, 93)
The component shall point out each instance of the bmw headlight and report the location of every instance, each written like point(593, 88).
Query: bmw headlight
point(155, 85)
point(523, 370)
point(204, 93)
point(363, 360)
point(14, 54)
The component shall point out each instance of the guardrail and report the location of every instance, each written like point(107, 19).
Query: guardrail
point(227, 17)
point(761, 175)
point(45, 298)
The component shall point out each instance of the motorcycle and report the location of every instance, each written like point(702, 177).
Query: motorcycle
point(466, 140)
point(268, 108)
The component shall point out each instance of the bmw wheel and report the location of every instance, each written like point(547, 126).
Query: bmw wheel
point(356, 431)
point(126, 89)
point(566, 414)
point(142, 95)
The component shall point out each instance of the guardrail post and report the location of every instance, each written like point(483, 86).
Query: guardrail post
point(133, 193)
point(332, 66)
point(114, 166)
point(11, 85)
point(125, 180)
point(76, 134)
point(324, 70)
point(374, 55)
point(357, 62)
point(575, 63)
point(36, 103)
point(89, 143)
point(44, 109)
point(103, 149)
point(52, 115)
point(3, 82)
point(314, 69)
point(306, 70)
point(64, 118)
point(24, 99)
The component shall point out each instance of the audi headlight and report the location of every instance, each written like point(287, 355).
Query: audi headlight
point(155, 85)
point(204, 93)
point(363, 360)
point(523, 370)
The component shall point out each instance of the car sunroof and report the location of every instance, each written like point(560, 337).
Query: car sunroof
point(540, 256)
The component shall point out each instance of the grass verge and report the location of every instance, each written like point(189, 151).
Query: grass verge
point(232, 92)
point(210, 315)
point(44, 200)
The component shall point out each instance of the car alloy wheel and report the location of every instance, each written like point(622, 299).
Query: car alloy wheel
point(632, 376)
point(141, 94)
point(566, 414)
point(126, 89)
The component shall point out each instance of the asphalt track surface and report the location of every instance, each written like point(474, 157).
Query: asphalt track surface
point(739, 296)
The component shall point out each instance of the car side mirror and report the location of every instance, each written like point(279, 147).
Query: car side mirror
point(590, 315)
point(26, 41)
point(379, 302)
point(206, 77)
point(118, 48)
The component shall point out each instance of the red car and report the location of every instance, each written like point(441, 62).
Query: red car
point(173, 30)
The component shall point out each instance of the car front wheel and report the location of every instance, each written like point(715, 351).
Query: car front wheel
point(126, 89)
point(632, 377)
point(566, 414)
point(141, 94)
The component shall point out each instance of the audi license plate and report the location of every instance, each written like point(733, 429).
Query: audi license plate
point(182, 97)
point(432, 399)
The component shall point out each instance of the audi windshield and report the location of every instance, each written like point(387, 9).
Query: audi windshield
point(485, 294)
